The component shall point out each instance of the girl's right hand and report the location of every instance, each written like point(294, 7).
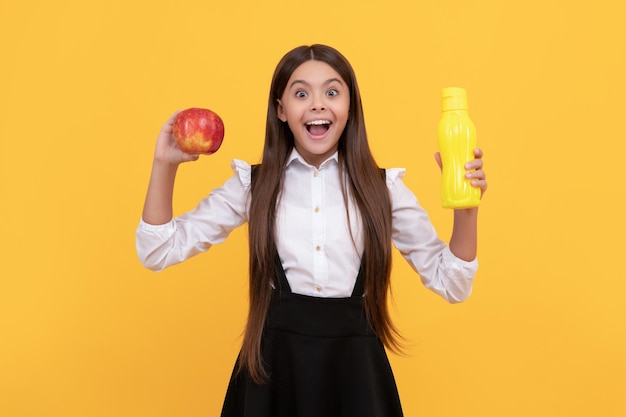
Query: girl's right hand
point(166, 149)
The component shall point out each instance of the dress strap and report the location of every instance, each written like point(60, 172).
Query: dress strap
point(359, 285)
point(280, 278)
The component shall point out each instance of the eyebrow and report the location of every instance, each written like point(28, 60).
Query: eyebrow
point(330, 80)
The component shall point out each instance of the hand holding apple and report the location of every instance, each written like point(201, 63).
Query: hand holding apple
point(198, 131)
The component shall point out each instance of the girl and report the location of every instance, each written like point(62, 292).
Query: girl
point(322, 217)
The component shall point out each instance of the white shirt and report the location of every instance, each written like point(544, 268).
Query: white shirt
point(313, 240)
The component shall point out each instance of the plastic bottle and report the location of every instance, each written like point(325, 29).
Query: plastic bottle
point(457, 141)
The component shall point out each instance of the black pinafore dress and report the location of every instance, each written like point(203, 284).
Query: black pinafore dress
point(323, 360)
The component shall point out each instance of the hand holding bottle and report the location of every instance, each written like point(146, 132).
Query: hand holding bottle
point(474, 170)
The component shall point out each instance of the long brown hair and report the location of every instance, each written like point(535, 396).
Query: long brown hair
point(364, 183)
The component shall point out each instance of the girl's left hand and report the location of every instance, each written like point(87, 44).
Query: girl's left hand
point(475, 172)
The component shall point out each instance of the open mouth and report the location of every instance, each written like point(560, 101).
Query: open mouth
point(318, 127)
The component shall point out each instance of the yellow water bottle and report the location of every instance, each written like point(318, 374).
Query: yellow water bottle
point(457, 141)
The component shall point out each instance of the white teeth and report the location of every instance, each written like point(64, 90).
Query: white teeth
point(318, 122)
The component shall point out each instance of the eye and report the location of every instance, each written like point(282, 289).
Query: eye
point(332, 92)
point(301, 94)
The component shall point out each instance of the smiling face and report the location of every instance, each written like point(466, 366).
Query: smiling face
point(315, 105)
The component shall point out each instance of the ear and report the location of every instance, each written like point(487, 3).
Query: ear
point(280, 111)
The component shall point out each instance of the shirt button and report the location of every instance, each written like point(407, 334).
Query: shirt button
point(318, 247)
point(315, 173)
point(317, 209)
point(318, 288)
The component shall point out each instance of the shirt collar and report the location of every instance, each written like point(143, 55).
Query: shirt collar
point(295, 156)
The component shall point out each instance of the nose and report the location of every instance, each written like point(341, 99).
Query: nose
point(317, 104)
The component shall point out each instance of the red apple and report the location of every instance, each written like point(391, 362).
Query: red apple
point(198, 131)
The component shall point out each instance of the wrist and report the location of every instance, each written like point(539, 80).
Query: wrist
point(466, 212)
point(164, 164)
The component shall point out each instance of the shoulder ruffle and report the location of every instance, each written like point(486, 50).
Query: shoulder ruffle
point(394, 174)
point(243, 170)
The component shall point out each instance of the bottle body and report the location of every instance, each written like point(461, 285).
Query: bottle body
point(457, 141)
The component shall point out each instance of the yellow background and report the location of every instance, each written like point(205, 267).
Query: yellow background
point(86, 85)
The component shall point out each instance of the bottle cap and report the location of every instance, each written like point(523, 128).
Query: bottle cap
point(453, 98)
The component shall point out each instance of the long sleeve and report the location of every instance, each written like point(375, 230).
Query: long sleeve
point(415, 237)
point(209, 223)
